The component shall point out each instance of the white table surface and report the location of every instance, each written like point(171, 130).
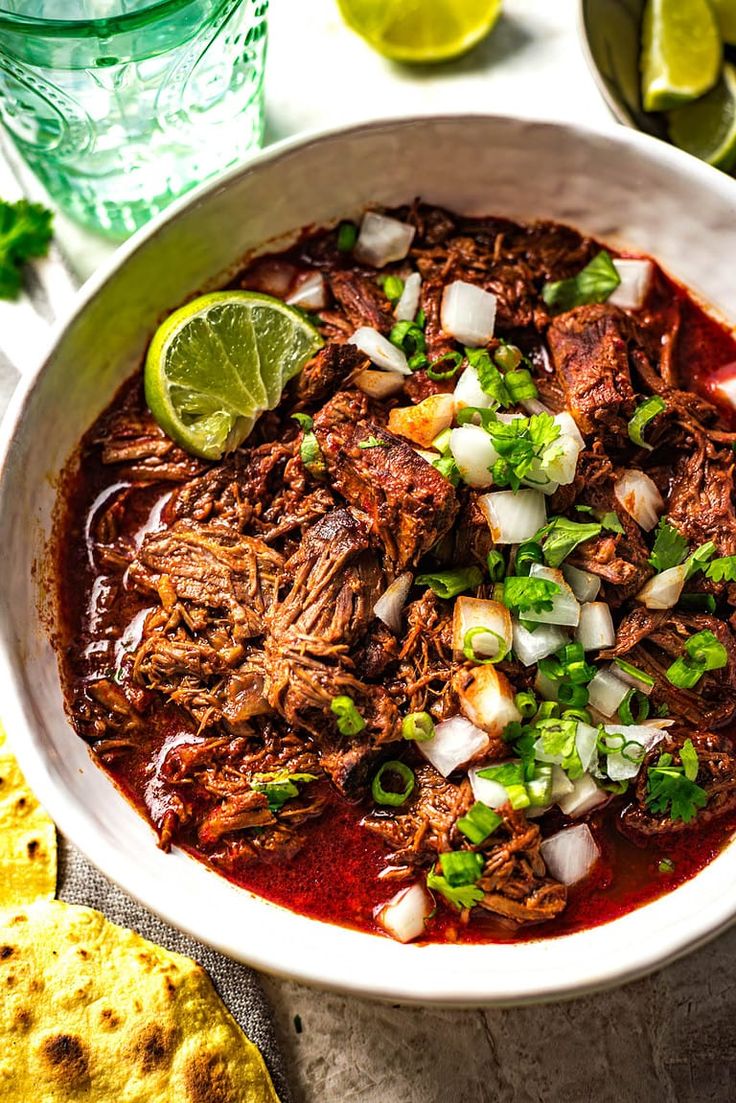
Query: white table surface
point(669, 1037)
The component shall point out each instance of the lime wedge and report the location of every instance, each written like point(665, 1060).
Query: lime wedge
point(707, 128)
point(681, 52)
point(421, 30)
point(217, 363)
point(726, 15)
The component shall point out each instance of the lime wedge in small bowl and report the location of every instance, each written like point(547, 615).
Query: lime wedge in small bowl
point(421, 30)
point(707, 128)
point(681, 52)
point(217, 363)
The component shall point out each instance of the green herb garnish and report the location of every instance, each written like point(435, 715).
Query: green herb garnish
point(643, 414)
point(279, 787)
point(349, 720)
point(448, 584)
point(393, 797)
point(593, 284)
point(523, 595)
point(671, 790)
point(479, 822)
point(559, 537)
point(670, 547)
point(25, 232)
point(310, 452)
point(722, 570)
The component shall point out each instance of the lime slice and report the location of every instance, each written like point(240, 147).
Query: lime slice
point(707, 128)
point(726, 15)
point(421, 30)
point(681, 52)
point(217, 363)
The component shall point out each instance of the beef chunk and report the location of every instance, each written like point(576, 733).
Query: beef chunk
point(361, 300)
point(133, 438)
point(589, 347)
point(327, 371)
point(653, 639)
point(514, 881)
point(425, 667)
point(716, 774)
point(336, 583)
point(212, 567)
point(410, 505)
point(701, 500)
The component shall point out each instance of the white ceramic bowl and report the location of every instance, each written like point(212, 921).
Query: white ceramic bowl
point(624, 187)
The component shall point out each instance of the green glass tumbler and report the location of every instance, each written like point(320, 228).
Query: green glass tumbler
point(121, 106)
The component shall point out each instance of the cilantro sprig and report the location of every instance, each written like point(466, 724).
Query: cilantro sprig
point(25, 232)
point(593, 284)
point(672, 790)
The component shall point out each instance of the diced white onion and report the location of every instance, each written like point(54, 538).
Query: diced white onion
point(492, 793)
point(382, 239)
point(595, 629)
point(620, 767)
point(559, 471)
point(534, 406)
point(530, 647)
point(428, 454)
point(632, 679)
point(565, 606)
point(405, 914)
point(379, 384)
point(455, 742)
point(477, 612)
point(311, 293)
point(585, 796)
point(545, 687)
point(664, 589)
point(639, 496)
point(408, 304)
point(636, 279)
point(468, 391)
point(561, 784)
point(473, 452)
point(468, 313)
point(606, 692)
point(487, 700)
point(513, 518)
point(423, 421)
point(391, 602)
point(584, 585)
point(570, 854)
point(586, 744)
point(380, 350)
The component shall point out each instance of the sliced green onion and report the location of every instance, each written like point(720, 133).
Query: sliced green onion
point(453, 358)
point(448, 584)
point(641, 703)
point(479, 822)
point(511, 776)
point(393, 287)
point(634, 672)
point(526, 703)
point(527, 554)
point(548, 710)
point(508, 357)
point(409, 337)
point(520, 385)
point(418, 726)
point(581, 716)
point(643, 414)
point(347, 235)
point(539, 787)
point(707, 651)
point(683, 674)
point(349, 720)
point(472, 655)
point(461, 867)
point(496, 565)
point(551, 668)
point(442, 441)
point(572, 696)
point(391, 796)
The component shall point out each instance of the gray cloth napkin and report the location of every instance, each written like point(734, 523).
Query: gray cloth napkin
point(24, 330)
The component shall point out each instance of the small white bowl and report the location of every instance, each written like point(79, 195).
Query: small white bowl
point(624, 187)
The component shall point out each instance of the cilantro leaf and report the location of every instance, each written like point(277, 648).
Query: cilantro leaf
point(671, 790)
point(462, 896)
point(723, 569)
point(522, 594)
point(670, 547)
point(557, 742)
point(25, 232)
point(489, 377)
point(611, 523)
point(279, 787)
point(522, 444)
point(593, 284)
point(559, 537)
point(447, 468)
point(373, 442)
point(699, 559)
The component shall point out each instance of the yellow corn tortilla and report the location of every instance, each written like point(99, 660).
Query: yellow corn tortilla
point(27, 838)
point(90, 1011)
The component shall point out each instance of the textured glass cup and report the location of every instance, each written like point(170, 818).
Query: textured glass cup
point(120, 106)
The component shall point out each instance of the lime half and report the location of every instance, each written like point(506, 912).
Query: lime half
point(726, 15)
point(217, 363)
point(707, 128)
point(681, 52)
point(421, 30)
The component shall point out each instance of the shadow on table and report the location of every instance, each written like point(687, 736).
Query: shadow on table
point(668, 1037)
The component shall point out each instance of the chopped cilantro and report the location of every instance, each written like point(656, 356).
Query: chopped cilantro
point(447, 468)
point(524, 594)
point(671, 790)
point(557, 739)
point(310, 452)
point(521, 444)
point(559, 537)
point(25, 232)
point(670, 547)
point(279, 787)
point(610, 522)
point(593, 284)
point(448, 584)
point(461, 896)
point(699, 559)
point(489, 377)
point(723, 569)
point(373, 442)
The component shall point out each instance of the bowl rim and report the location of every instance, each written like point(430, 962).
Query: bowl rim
point(75, 822)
